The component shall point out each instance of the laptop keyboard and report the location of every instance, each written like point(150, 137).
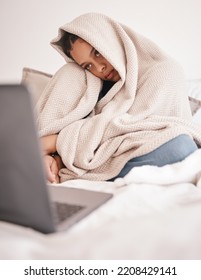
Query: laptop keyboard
point(65, 210)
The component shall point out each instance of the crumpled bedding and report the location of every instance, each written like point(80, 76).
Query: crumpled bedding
point(154, 214)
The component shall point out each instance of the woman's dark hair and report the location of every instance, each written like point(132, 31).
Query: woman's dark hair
point(67, 41)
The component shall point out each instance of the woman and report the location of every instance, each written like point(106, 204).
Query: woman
point(119, 102)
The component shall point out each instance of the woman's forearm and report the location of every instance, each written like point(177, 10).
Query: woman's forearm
point(49, 144)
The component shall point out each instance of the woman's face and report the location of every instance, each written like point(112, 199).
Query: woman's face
point(90, 59)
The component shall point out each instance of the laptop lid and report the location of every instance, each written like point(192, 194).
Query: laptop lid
point(24, 195)
point(22, 186)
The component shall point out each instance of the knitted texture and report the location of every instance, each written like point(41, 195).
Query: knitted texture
point(146, 108)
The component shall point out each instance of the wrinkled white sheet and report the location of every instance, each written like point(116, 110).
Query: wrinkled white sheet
point(155, 214)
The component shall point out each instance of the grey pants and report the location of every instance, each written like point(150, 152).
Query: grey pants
point(173, 151)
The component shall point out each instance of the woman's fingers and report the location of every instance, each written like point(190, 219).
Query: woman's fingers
point(51, 169)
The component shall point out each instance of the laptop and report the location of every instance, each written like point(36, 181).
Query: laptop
point(25, 197)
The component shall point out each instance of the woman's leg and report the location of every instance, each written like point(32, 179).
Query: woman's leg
point(173, 151)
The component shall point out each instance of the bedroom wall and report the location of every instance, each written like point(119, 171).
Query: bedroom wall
point(26, 28)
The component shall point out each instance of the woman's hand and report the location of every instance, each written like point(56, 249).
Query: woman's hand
point(52, 163)
point(51, 169)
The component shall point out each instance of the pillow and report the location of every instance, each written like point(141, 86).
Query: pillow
point(194, 88)
point(36, 81)
point(195, 104)
point(195, 109)
point(194, 94)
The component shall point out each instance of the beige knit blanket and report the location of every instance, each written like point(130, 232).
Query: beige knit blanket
point(147, 107)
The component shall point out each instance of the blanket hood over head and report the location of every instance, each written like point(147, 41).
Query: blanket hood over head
point(113, 40)
point(146, 108)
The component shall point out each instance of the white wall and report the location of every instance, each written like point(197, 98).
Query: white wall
point(27, 26)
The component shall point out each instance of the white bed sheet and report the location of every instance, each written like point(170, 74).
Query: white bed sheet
point(155, 214)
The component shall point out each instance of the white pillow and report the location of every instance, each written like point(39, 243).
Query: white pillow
point(36, 81)
point(194, 88)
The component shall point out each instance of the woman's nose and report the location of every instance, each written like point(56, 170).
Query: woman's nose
point(100, 67)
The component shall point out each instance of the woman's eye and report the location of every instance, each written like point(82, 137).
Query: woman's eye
point(97, 53)
point(88, 66)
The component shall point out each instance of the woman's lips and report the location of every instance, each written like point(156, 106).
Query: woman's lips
point(109, 75)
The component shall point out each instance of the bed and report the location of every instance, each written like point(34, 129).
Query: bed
point(154, 214)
